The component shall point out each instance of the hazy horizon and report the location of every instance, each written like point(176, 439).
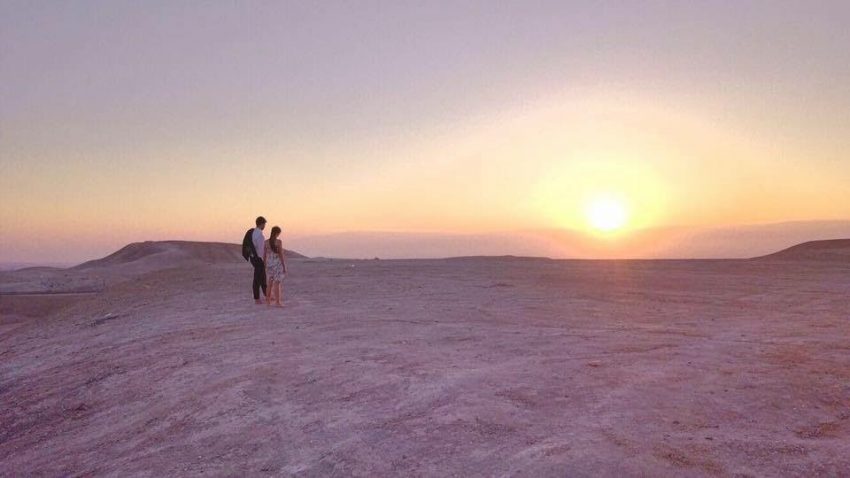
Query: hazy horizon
point(678, 243)
point(612, 129)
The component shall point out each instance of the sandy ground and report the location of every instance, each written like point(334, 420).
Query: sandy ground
point(466, 367)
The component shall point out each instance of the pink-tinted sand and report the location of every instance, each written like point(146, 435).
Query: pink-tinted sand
point(465, 367)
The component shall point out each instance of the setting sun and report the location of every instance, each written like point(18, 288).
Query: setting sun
point(606, 214)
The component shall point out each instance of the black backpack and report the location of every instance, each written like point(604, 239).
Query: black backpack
point(248, 249)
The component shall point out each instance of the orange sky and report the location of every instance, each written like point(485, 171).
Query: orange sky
point(683, 132)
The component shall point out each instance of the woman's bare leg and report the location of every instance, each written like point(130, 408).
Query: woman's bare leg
point(274, 292)
point(269, 292)
point(279, 290)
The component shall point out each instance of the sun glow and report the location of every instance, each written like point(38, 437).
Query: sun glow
point(606, 213)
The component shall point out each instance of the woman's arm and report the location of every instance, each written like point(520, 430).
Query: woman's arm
point(282, 259)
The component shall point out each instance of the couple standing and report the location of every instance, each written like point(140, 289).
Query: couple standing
point(268, 260)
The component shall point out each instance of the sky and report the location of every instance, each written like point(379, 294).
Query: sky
point(128, 121)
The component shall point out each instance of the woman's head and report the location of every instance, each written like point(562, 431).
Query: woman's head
point(273, 238)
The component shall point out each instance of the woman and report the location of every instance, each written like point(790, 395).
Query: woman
point(275, 267)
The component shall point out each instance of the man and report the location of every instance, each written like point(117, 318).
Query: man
point(257, 244)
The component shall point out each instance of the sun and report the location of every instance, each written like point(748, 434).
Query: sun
point(606, 213)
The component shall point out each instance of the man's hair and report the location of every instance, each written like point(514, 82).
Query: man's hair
point(260, 221)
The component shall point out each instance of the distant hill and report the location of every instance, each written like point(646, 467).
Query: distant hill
point(131, 261)
point(151, 255)
point(831, 250)
point(15, 266)
point(732, 242)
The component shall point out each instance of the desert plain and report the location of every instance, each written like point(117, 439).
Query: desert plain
point(156, 362)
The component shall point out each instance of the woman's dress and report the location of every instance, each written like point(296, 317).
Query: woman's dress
point(273, 266)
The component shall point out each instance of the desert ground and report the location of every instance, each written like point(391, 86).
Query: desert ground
point(156, 362)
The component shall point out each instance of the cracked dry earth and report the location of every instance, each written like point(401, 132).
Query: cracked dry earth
point(465, 367)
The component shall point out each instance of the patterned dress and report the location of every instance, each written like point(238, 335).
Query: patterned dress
point(273, 266)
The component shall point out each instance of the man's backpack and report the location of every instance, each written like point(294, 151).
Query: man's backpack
point(248, 249)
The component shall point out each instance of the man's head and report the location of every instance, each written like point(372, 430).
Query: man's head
point(261, 222)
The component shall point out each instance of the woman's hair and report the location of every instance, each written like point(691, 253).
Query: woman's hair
point(273, 239)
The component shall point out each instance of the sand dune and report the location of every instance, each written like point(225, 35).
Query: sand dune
point(834, 250)
point(454, 367)
point(155, 255)
point(128, 263)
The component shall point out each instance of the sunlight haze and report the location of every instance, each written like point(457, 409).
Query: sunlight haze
point(127, 121)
